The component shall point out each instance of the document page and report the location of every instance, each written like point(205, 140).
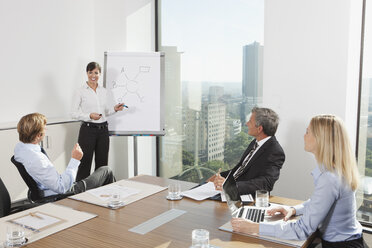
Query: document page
point(105, 192)
point(36, 221)
point(244, 198)
point(202, 192)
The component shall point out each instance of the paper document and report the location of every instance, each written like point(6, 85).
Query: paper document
point(105, 192)
point(245, 198)
point(293, 243)
point(202, 192)
point(36, 221)
point(130, 191)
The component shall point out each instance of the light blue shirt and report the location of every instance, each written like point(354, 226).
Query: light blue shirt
point(41, 169)
point(331, 208)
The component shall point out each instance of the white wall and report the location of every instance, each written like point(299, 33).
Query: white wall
point(44, 49)
point(311, 65)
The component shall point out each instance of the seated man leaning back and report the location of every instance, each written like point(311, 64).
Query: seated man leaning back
point(259, 167)
point(31, 129)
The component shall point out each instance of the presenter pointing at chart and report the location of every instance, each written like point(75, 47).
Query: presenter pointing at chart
point(92, 106)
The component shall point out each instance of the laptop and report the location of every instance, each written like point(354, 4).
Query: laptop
point(234, 202)
point(255, 214)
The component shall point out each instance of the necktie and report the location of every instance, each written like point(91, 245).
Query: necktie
point(240, 170)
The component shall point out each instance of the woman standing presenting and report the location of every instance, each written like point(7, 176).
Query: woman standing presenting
point(91, 106)
point(332, 206)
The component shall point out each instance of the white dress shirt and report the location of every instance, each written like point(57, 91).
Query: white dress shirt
point(41, 169)
point(259, 144)
point(87, 101)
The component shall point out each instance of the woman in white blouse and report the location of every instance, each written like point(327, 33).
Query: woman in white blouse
point(332, 206)
point(91, 106)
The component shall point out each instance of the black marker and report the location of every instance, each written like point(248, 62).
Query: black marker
point(125, 106)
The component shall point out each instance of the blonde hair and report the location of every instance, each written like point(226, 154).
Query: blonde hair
point(30, 126)
point(333, 148)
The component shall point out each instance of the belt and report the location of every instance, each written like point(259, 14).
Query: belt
point(95, 125)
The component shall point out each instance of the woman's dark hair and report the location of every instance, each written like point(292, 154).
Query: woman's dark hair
point(93, 65)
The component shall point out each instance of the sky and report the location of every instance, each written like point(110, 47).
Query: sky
point(211, 35)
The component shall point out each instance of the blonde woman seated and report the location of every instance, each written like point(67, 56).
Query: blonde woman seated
point(332, 206)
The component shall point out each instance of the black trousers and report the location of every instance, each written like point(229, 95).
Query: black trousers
point(355, 243)
point(102, 176)
point(93, 139)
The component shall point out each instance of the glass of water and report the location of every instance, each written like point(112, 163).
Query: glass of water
point(174, 191)
point(115, 200)
point(262, 198)
point(200, 238)
point(15, 236)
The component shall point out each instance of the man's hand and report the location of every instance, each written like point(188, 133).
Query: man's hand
point(77, 153)
point(288, 213)
point(218, 181)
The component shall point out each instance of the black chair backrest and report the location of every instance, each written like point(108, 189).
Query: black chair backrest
point(4, 200)
point(35, 193)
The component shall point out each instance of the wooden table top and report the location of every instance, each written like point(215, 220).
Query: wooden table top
point(110, 227)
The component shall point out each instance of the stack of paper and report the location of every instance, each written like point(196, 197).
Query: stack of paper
point(202, 192)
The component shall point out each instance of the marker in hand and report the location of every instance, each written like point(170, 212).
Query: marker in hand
point(125, 106)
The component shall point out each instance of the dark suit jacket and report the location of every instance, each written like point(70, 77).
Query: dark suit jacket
point(262, 170)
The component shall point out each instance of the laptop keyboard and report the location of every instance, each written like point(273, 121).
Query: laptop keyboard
point(252, 214)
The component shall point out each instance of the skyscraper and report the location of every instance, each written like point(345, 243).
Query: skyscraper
point(171, 148)
point(252, 70)
point(252, 77)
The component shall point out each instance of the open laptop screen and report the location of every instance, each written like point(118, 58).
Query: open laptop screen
point(231, 192)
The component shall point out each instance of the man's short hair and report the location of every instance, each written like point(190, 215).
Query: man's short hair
point(29, 126)
point(268, 119)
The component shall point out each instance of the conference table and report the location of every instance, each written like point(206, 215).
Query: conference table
point(111, 227)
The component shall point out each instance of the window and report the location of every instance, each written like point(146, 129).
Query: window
point(364, 197)
point(214, 58)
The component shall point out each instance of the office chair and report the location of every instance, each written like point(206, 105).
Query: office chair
point(6, 207)
point(34, 193)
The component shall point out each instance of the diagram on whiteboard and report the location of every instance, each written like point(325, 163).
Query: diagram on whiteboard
point(129, 84)
point(135, 79)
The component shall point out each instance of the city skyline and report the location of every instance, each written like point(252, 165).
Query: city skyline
point(215, 54)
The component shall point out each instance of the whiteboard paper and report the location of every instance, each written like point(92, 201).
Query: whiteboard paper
point(135, 79)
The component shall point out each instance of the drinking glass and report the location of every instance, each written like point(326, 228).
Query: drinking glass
point(115, 200)
point(200, 238)
point(174, 191)
point(15, 236)
point(262, 198)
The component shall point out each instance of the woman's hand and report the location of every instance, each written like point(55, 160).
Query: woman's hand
point(95, 116)
point(119, 107)
point(244, 226)
point(288, 213)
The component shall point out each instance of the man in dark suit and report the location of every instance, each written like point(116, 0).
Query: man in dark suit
point(260, 165)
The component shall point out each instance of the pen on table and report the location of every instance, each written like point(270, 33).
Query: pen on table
point(36, 216)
